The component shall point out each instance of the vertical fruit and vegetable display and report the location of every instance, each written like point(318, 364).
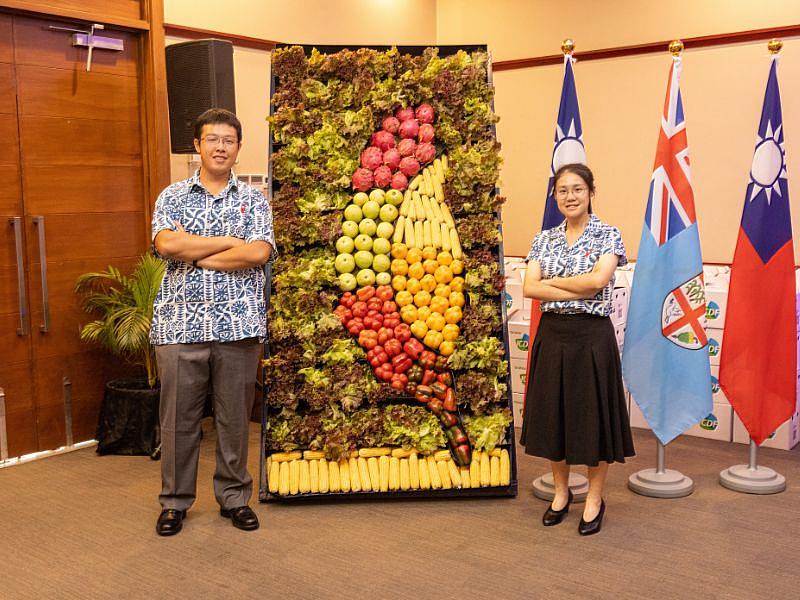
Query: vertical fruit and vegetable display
point(385, 315)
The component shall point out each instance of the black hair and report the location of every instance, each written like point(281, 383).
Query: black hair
point(214, 116)
point(581, 171)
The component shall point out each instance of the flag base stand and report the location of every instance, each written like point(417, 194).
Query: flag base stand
point(752, 479)
point(544, 487)
point(660, 482)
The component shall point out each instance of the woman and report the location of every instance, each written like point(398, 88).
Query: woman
point(575, 411)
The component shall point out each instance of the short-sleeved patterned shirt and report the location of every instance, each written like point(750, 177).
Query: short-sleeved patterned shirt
point(558, 259)
point(203, 305)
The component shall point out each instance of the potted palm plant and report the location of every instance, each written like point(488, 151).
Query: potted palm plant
point(128, 422)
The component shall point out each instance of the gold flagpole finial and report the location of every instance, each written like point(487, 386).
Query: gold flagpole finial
point(675, 47)
point(567, 46)
point(774, 46)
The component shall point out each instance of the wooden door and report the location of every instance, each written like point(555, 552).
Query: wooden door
point(82, 188)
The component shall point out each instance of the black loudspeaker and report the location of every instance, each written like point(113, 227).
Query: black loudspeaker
point(199, 77)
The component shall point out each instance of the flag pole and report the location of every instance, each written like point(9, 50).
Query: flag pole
point(660, 482)
point(544, 487)
point(750, 478)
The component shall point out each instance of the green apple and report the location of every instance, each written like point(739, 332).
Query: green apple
point(384, 278)
point(347, 282)
point(381, 263)
point(363, 259)
point(360, 198)
point(353, 213)
point(350, 229)
point(363, 242)
point(394, 197)
point(365, 277)
point(378, 195)
point(371, 209)
point(388, 213)
point(344, 245)
point(385, 230)
point(380, 246)
point(368, 227)
point(345, 263)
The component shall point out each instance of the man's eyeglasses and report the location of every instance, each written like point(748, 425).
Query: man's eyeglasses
point(213, 140)
point(579, 190)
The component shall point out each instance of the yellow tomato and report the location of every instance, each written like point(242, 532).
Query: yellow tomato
point(450, 332)
point(457, 267)
point(413, 285)
point(456, 299)
point(435, 322)
point(457, 285)
point(416, 270)
point(439, 304)
point(432, 339)
point(423, 298)
point(452, 314)
point(430, 266)
point(399, 266)
point(445, 258)
point(428, 283)
point(442, 290)
point(443, 274)
point(428, 252)
point(414, 255)
point(419, 329)
point(399, 250)
point(398, 283)
point(446, 348)
point(423, 312)
point(403, 298)
point(409, 314)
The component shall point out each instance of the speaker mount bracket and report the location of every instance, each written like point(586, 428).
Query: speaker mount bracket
point(87, 39)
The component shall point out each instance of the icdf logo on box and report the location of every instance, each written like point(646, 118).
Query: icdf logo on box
point(509, 300)
point(522, 377)
point(712, 311)
point(710, 423)
point(522, 342)
point(714, 385)
point(713, 347)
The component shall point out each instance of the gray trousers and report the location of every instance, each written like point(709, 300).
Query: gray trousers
point(186, 370)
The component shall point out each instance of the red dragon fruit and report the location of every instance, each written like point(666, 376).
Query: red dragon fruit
point(409, 129)
point(406, 147)
point(425, 152)
point(371, 158)
point(382, 176)
point(399, 181)
point(391, 158)
point(426, 132)
point(383, 140)
point(425, 113)
point(404, 114)
point(409, 166)
point(362, 180)
point(391, 124)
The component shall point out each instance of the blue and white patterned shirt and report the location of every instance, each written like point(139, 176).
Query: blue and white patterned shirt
point(203, 305)
point(558, 259)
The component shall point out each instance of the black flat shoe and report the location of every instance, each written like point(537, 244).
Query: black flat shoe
point(554, 517)
point(242, 517)
point(594, 525)
point(170, 521)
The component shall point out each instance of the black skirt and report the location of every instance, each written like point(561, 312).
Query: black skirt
point(575, 407)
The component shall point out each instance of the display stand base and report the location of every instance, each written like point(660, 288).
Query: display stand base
point(545, 488)
point(667, 484)
point(760, 480)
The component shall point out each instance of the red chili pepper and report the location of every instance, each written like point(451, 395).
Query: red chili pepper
point(368, 339)
point(359, 309)
point(428, 377)
point(423, 393)
point(384, 372)
point(385, 334)
point(384, 292)
point(449, 402)
point(411, 388)
point(439, 389)
point(379, 359)
point(391, 320)
point(440, 366)
point(435, 406)
point(402, 332)
point(401, 363)
point(392, 347)
point(458, 436)
point(427, 359)
point(355, 326)
point(399, 381)
point(388, 307)
point(415, 374)
point(375, 303)
point(448, 419)
point(463, 455)
point(413, 347)
point(348, 300)
point(365, 293)
point(446, 378)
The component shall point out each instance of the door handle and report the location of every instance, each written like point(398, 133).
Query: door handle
point(39, 222)
point(16, 224)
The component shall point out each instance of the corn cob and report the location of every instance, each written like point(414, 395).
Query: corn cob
point(405, 475)
point(424, 474)
point(495, 452)
point(355, 474)
point(304, 482)
point(447, 216)
point(441, 455)
point(283, 478)
point(465, 480)
point(433, 473)
point(446, 245)
point(456, 245)
point(374, 452)
point(324, 476)
point(413, 471)
point(409, 225)
point(383, 473)
point(436, 233)
point(486, 471)
point(438, 190)
point(313, 476)
point(415, 182)
point(455, 475)
point(374, 473)
point(437, 210)
point(334, 481)
point(419, 237)
point(344, 475)
point(426, 232)
point(505, 468)
point(419, 208)
point(428, 181)
point(475, 469)
point(412, 209)
point(313, 455)
point(444, 474)
point(286, 456)
point(494, 471)
point(426, 204)
point(294, 477)
point(399, 229)
point(444, 162)
point(402, 453)
point(439, 168)
point(406, 205)
point(394, 473)
point(274, 474)
point(363, 473)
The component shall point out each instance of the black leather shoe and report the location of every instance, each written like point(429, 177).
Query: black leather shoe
point(170, 521)
point(242, 517)
point(594, 525)
point(554, 517)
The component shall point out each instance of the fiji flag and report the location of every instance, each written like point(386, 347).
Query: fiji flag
point(665, 361)
point(758, 366)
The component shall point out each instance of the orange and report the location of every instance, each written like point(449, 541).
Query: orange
point(445, 258)
point(430, 266)
point(416, 270)
point(399, 250)
point(414, 255)
point(457, 267)
point(413, 286)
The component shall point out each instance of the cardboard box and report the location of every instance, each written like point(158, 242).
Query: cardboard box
point(717, 395)
point(623, 278)
point(716, 304)
point(526, 308)
point(619, 306)
point(716, 426)
point(785, 437)
point(518, 371)
point(519, 407)
point(513, 297)
point(715, 338)
point(619, 333)
point(518, 339)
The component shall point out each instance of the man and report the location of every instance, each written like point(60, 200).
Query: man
point(209, 320)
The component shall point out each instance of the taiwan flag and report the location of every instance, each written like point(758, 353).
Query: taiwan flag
point(758, 366)
point(665, 360)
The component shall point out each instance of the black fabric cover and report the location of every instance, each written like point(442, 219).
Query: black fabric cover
point(128, 423)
